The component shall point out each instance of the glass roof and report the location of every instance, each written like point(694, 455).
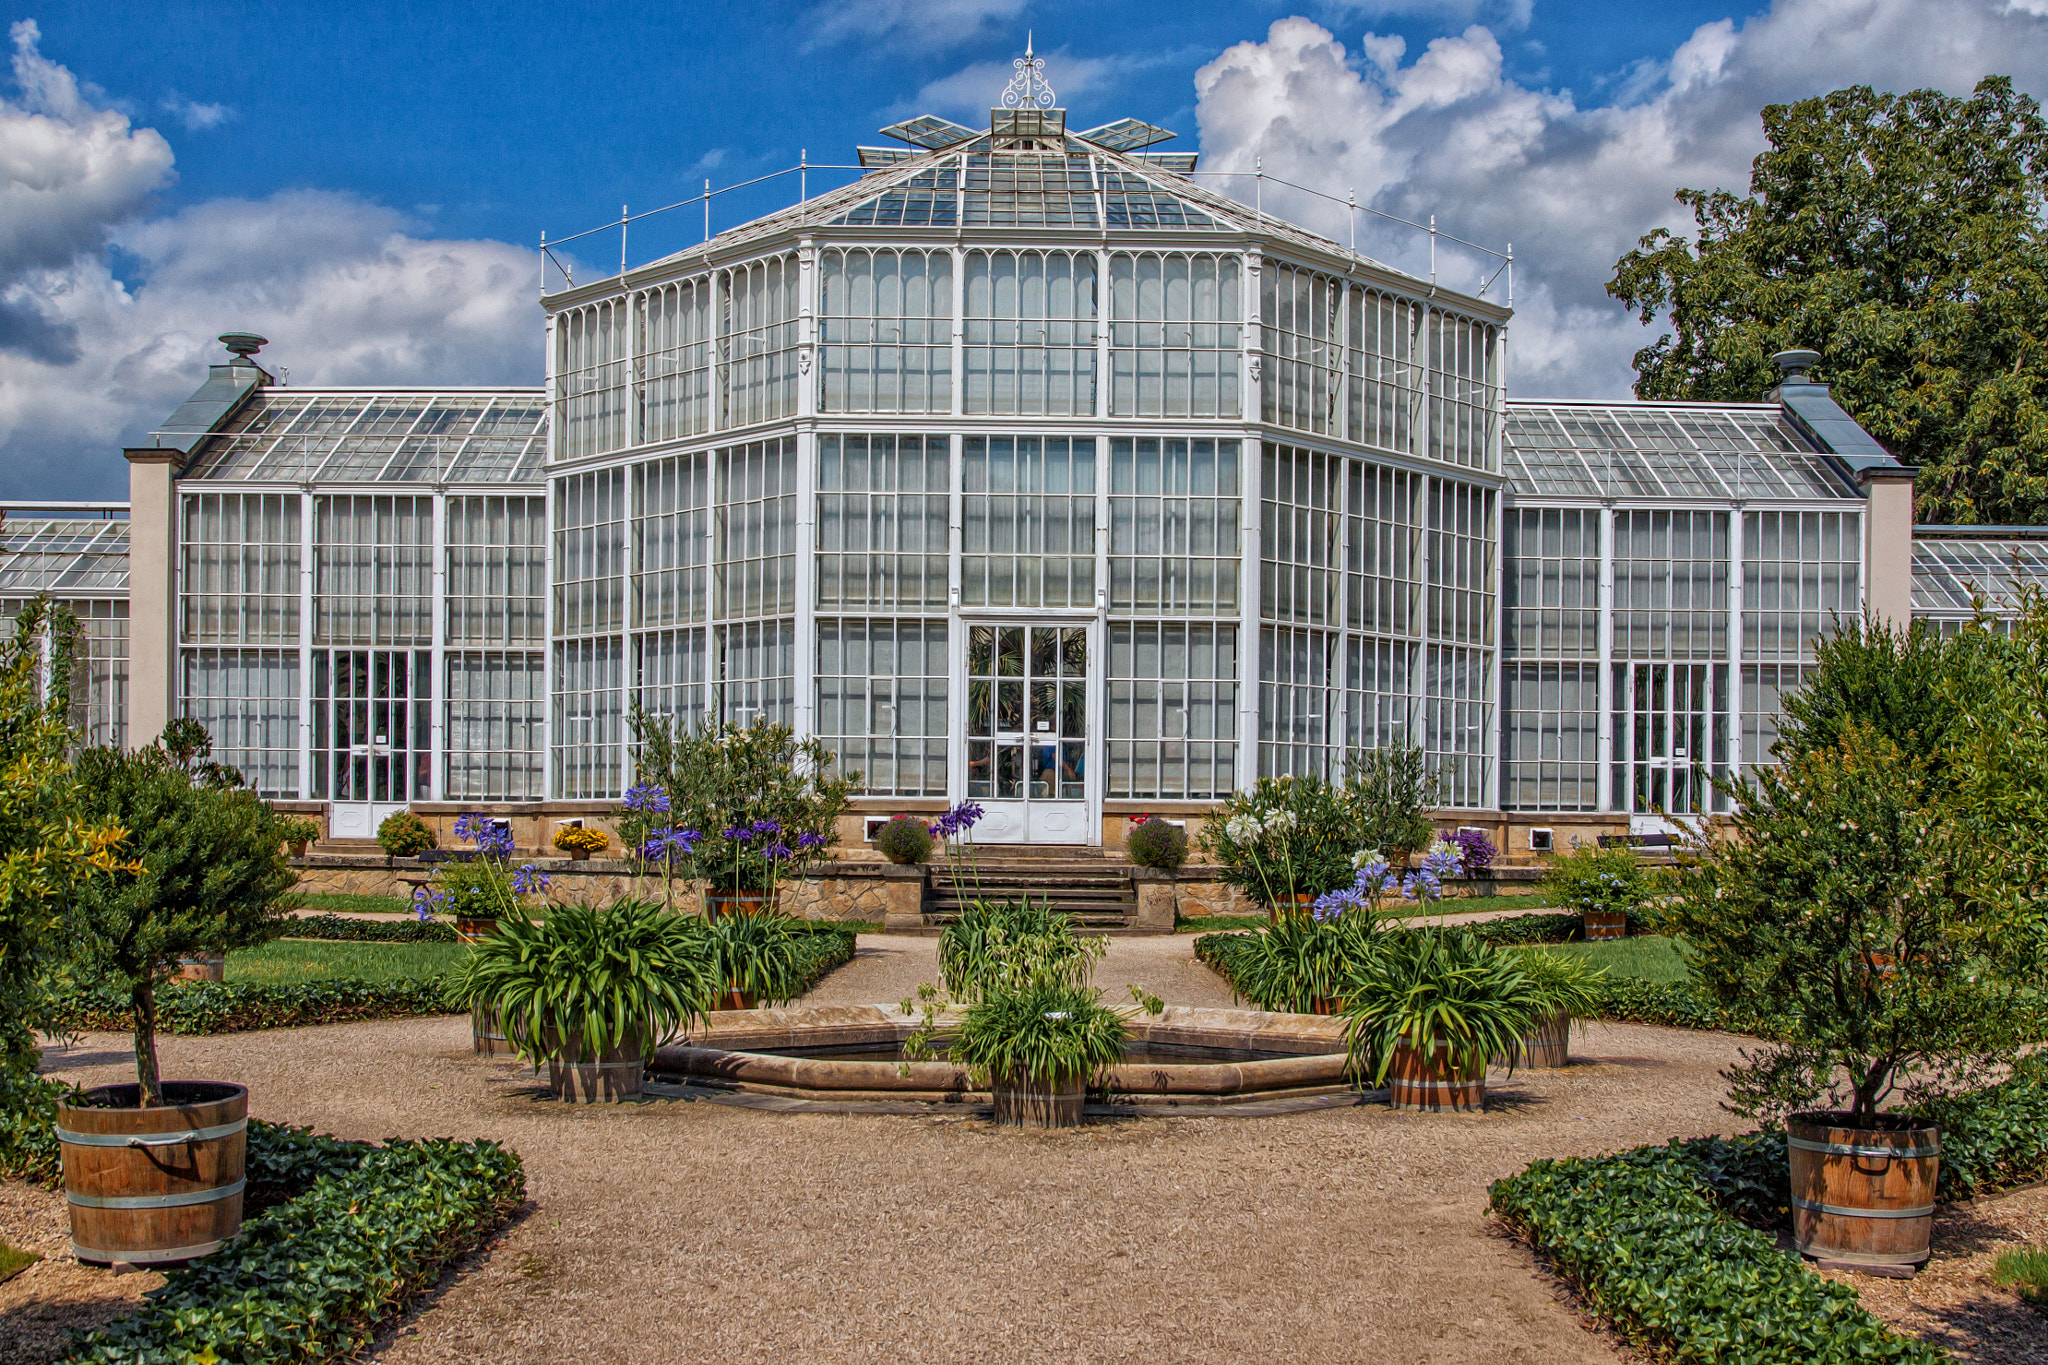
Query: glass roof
point(362, 436)
point(62, 555)
point(1652, 450)
point(1947, 570)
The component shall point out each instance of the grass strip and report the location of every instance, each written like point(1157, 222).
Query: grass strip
point(2025, 1273)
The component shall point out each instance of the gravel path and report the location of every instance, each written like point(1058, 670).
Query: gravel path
point(693, 1231)
point(679, 1231)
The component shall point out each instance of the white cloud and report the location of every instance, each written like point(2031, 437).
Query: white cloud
point(921, 25)
point(346, 289)
point(196, 117)
point(1572, 187)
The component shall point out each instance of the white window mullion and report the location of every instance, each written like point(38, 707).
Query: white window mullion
point(306, 644)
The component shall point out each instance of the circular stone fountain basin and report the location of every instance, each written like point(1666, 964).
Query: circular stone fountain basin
point(1181, 1056)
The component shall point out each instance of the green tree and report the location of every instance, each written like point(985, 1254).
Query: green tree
point(44, 844)
point(1902, 237)
point(1838, 912)
point(1914, 687)
point(206, 875)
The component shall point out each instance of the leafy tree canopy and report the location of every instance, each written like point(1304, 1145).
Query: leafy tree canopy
point(1902, 237)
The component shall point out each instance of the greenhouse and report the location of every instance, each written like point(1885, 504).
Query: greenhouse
point(1023, 469)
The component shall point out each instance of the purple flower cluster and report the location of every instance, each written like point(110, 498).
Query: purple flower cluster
point(493, 838)
point(810, 840)
point(669, 844)
point(529, 880)
point(958, 820)
point(1475, 850)
point(426, 900)
point(746, 834)
point(1374, 880)
point(646, 797)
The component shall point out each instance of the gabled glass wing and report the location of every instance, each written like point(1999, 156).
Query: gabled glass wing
point(930, 132)
point(1128, 135)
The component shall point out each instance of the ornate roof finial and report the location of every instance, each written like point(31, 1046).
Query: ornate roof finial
point(1027, 89)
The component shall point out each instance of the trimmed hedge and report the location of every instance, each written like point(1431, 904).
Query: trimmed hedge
point(1648, 1240)
point(1673, 1244)
point(360, 1231)
point(831, 946)
point(342, 929)
point(311, 1279)
point(198, 1007)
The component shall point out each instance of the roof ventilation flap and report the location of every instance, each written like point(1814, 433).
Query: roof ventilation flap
point(1128, 135)
point(1028, 130)
point(929, 131)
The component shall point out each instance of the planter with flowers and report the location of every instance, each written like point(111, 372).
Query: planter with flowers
point(744, 808)
point(1284, 842)
point(580, 841)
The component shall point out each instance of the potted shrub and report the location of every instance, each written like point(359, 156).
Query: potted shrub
point(581, 841)
point(1604, 886)
point(591, 993)
point(755, 805)
point(404, 835)
point(298, 833)
point(755, 958)
point(1568, 987)
point(1003, 945)
point(1841, 909)
point(1284, 842)
point(1427, 1009)
point(1476, 853)
point(905, 840)
point(478, 891)
point(205, 872)
point(1389, 792)
point(1156, 844)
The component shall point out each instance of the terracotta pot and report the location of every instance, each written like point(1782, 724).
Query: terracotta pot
point(471, 928)
point(578, 1076)
point(578, 855)
point(299, 847)
point(1862, 1195)
point(1600, 924)
point(718, 903)
point(202, 967)
point(1299, 903)
point(1029, 1104)
point(155, 1187)
point(1434, 1082)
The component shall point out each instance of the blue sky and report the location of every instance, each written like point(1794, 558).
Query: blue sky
point(364, 183)
point(550, 116)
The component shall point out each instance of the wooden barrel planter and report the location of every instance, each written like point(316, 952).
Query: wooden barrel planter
point(155, 1187)
point(1605, 924)
point(717, 903)
point(487, 1033)
point(202, 967)
point(474, 928)
point(1029, 1104)
point(618, 1074)
point(1862, 1195)
point(1546, 1044)
point(1433, 1083)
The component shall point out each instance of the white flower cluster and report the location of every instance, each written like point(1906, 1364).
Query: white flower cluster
point(1365, 857)
point(1246, 829)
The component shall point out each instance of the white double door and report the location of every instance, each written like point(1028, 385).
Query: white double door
point(1030, 692)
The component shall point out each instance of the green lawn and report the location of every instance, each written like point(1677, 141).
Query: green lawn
point(1646, 956)
point(286, 962)
point(347, 904)
point(13, 1260)
point(2025, 1272)
point(1461, 905)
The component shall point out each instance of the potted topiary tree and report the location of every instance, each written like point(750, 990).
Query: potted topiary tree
point(1427, 1008)
point(905, 840)
point(591, 993)
point(206, 873)
point(1839, 911)
point(404, 835)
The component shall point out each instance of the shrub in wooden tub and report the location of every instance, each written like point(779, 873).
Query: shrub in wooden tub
point(153, 1171)
point(1427, 1007)
point(1845, 907)
point(591, 993)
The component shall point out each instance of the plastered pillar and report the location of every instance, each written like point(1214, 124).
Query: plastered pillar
point(152, 589)
point(1888, 544)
